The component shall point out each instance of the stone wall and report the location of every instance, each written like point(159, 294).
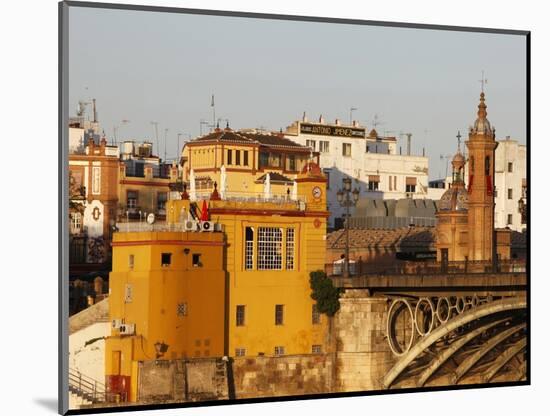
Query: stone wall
point(282, 376)
point(363, 354)
point(200, 379)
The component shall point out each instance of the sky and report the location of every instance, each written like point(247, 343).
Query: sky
point(162, 67)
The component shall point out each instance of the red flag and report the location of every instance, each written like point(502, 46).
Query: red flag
point(204, 211)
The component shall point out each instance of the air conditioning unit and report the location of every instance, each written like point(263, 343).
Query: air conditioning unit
point(127, 329)
point(116, 323)
point(207, 226)
point(190, 225)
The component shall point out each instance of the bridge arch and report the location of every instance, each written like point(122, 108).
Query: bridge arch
point(446, 328)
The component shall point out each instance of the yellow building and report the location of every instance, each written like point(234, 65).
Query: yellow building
point(240, 161)
point(272, 246)
point(167, 300)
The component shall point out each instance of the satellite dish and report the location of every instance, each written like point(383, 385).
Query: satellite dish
point(151, 218)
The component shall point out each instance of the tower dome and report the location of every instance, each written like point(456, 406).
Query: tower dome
point(454, 199)
point(482, 125)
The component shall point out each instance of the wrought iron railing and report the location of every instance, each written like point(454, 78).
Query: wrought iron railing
point(89, 389)
point(358, 268)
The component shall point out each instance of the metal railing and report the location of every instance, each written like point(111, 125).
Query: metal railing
point(254, 197)
point(131, 227)
point(358, 268)
point(88, 389)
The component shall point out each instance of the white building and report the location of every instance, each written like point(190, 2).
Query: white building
point(374, 163)
point(510, 183)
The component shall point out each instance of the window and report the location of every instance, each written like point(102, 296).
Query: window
point(240, 352)
point(270, 245)
point(510, 193)
point(510, 167)
point(410, 184)
point(279, 314)
point(165, 259)
point(289, 249)
point(197, 260)
point(373, 185)
point(237, 157)
point(249, 248)
point(229, 156)
point(264, 159)
point(131, 199)
point(487, 166)
point(510, 218)
point(316, 349)
point(182, 309)
point(310, 143)
point(280, 350)
point(239, 319)
point(323, 147)
point(161, 201)
point(76, 222)
point(390, 184)
point(96, 180)
point(131, 261)
point(291, 162)
point(245, 158)
point(346, 149)
point(315, 315)
point(327, 174)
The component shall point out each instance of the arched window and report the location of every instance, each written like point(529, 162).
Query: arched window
point(487, 165)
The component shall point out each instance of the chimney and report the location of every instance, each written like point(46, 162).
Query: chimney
point(355, 123)
point(321, 119)
point(337, 121)
point(409, 144)
point(304, 117)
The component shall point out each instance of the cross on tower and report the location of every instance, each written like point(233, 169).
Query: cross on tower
point(483, 81)
point(458, 136)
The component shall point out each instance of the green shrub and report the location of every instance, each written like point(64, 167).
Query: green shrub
point(324, 293)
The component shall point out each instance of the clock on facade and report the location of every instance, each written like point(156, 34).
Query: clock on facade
point(317, 192)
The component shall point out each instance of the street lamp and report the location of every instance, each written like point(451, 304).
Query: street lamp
point(522, 209)
point(346, 200)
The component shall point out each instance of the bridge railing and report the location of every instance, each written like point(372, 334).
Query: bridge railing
point(359, 268)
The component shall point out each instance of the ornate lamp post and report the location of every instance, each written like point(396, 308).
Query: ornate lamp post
point(522, 209)
point(346, 200)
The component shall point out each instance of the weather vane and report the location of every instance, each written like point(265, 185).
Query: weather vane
point(483, 81)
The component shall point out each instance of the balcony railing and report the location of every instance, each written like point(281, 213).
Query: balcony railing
point(252, 197)
point(357, 268)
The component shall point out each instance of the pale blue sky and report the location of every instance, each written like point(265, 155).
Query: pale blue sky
point(145, 66)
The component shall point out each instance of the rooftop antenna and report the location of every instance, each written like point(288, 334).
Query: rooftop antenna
point(165, 140)
point(178, 148)
point(202, 123)
point(156, 124)
point(446, 157)
point(213, 105)
point(483, 81)
point(351, 110)
point(94, 110)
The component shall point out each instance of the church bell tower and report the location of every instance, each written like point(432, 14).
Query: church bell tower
point(481, 200)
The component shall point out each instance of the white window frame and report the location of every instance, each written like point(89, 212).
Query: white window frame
point(270, 248)
point(290, 248)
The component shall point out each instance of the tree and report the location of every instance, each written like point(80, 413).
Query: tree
point(324, 293)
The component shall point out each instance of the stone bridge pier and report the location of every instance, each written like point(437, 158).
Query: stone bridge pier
point(363, 355)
